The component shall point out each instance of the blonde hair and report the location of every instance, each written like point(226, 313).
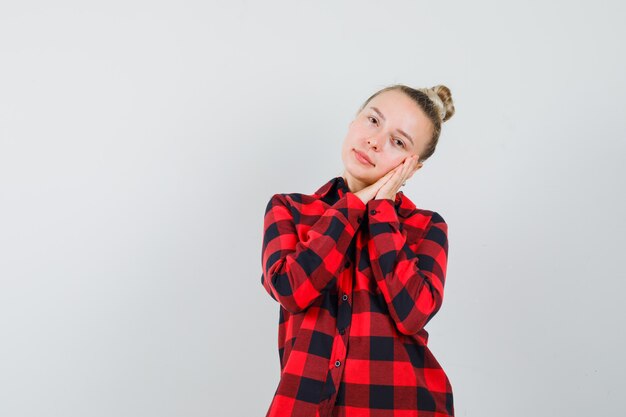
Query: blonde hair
point(436, 102)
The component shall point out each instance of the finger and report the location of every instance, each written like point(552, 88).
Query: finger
point(389, 181)
point(382, 181)
point(409, 167)
point(405, 169)
point(415, 162)
point(389, 178)
point(402, 177)
point(390, 173)
point(393, 176)
point(396, 179)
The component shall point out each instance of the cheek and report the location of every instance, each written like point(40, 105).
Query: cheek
point(390, 163)
point(353, 141)
point(357, 131)
point(398, 157)
point(384, 167)
point(346, 149)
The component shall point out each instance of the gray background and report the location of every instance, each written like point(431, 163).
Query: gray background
point(140, 142)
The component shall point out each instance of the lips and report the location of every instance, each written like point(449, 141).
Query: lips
point(363, 156)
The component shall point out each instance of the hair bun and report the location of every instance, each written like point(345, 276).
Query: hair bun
point(445, 98)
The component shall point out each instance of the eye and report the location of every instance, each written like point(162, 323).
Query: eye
point(398, 142)
point(370, 118)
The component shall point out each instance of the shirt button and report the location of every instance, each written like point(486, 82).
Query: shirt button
point(342, 331)
point(345, 297)
point(358, 219)
point(347, 264)
point(373, 211)
point(337, 364)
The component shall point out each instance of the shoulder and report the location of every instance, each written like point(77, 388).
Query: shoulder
point(297, 202)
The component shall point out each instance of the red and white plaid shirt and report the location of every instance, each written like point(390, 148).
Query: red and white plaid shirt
point(356, 284)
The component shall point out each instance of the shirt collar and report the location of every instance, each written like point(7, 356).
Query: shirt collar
point(337, 187)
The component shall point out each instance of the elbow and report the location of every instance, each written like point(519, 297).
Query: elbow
point(279, 289)
point(413, 320)
point(410, 327)
point(291, 307)
point(289, 304)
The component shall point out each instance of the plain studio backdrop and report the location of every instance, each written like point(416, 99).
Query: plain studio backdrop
point(140, 142)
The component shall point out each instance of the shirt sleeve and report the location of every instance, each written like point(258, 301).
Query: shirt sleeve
point(410, 275)
point(296, 271)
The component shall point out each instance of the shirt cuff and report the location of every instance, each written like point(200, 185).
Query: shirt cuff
point(356, 209)
point(382, 210)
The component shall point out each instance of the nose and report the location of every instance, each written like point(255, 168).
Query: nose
point(373, 143)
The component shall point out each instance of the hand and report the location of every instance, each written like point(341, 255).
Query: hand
point(367, 193)
point(399, 174)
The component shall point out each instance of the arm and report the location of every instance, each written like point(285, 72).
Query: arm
point(295, 272)
point(410, 275)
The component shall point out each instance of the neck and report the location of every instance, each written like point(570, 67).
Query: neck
point(353, 184)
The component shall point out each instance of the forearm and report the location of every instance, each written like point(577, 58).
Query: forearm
point(296, 271)
point(410, 275)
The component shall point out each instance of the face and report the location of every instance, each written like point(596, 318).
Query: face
point(390, 128)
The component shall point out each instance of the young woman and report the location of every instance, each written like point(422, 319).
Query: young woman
point(359, 270)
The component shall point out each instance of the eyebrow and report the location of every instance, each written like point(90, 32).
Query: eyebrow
point(402, 132)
